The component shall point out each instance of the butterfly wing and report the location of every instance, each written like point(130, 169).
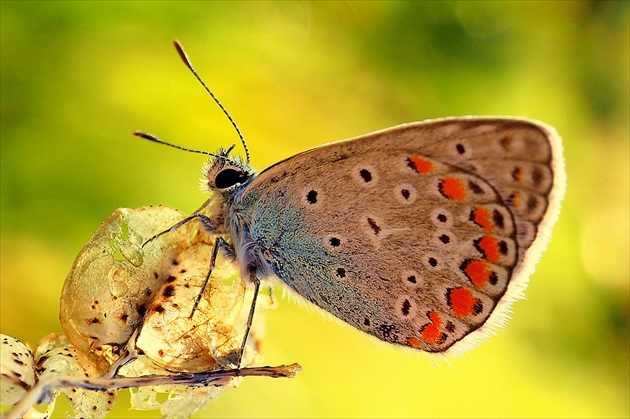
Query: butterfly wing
point(420, 235)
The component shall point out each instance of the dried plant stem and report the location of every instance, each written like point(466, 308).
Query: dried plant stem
point(43, 389)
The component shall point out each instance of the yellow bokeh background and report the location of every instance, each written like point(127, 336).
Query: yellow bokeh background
point(77, 78)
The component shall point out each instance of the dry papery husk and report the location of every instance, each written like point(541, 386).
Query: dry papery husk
point(117, 286)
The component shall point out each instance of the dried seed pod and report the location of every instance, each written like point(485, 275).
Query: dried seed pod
point(55, 356)
point(17, 370)
point(117, 286)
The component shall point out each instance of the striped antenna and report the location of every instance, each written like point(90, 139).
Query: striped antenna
point(157, 140)
point(186, 60)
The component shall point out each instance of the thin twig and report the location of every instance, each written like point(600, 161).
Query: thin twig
point(43, 389)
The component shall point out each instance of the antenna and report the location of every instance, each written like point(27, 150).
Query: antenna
point(186, 60)
point(157, 140)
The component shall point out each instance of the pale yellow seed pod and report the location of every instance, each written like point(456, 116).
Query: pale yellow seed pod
point(117, 286)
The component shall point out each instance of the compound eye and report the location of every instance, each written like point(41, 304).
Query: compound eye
point(227, 178)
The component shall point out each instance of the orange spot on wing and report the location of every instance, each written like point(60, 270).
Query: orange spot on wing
point(453, 188)
point(479, 272)
point(462, 302)
point(483, 218)
point(515, 199)
point(517, 174)
point(421, 166)
point(432, 332)
point(489, 245)
point(414, 342)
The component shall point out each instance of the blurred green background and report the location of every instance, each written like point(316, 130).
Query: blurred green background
point(78, 77)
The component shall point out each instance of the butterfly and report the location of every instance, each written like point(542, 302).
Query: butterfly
point(421, 235)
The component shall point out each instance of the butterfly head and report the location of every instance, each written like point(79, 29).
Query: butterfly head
point(224, 174)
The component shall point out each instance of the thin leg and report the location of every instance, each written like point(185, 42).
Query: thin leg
point(205, 204)
point(205, 221)
point(219, 243)
point(250, 318)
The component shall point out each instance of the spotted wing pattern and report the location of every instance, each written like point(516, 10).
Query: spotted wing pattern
point(420, 235)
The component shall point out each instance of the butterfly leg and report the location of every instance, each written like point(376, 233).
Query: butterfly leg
point(227, 250)
point(250, 318)
point(205, 221)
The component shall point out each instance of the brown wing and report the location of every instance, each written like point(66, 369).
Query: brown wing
point(420, 235)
